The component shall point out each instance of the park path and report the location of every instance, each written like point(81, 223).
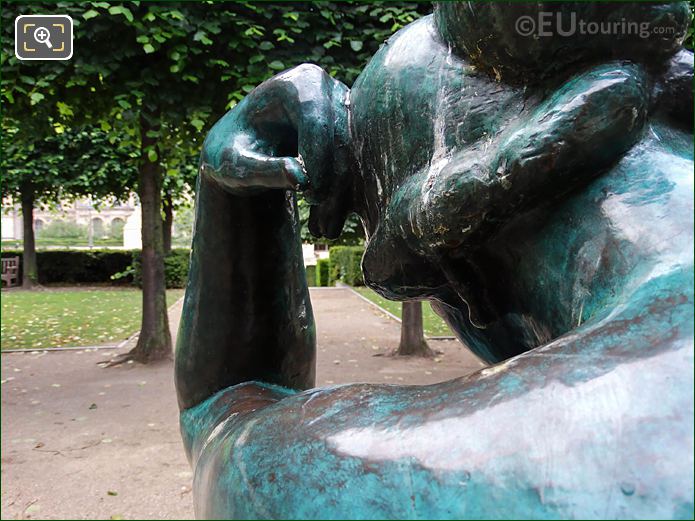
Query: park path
point(82, 442)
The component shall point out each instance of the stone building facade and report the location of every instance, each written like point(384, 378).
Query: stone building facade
point(100, 220)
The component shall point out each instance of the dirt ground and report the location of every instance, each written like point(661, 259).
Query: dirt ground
point(83, 442)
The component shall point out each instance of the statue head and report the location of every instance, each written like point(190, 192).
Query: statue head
point(465, 127)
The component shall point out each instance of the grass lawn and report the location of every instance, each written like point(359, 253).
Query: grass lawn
point(433, 324)
point(71, 316)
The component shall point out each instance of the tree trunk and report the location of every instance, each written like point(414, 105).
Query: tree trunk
point(412, 334)
point(154, 342)
point(29, 266)
point(168, 207)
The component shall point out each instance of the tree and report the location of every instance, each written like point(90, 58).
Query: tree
point(412, 334)
point(160, 77)
point(68, 163)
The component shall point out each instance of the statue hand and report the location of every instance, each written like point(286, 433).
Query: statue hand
point(239, 166)
point(283, 135)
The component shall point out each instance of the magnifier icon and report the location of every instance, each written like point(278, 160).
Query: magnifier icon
point(43, 35)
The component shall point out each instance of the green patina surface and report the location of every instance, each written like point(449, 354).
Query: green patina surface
point(540, 196)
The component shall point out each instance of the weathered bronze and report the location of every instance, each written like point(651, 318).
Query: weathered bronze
point(539, 191)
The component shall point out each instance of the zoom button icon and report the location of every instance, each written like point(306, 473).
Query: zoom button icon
point(43, 37)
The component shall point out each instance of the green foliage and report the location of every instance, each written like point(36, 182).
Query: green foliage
point(103, 266)
point(66, 164)
point(176, 268)
point(311, 275)
point(78, 266)
point(688, 42)
point(199, 60)
point(239, 43)
point(118, 267)
point(176, 264)
point(345, 264)
point(323, 268)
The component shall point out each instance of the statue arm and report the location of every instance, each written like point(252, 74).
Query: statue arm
point(568, 139)
point(583, 128)
point(247, 313)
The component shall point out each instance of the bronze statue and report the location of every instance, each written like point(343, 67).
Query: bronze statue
point(538, 190)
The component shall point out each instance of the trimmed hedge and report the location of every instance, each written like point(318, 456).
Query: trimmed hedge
point(176, 265)
point(123, 267)
point(323, 272)
point(345, 264)
point(175, 268)
point(78, 266)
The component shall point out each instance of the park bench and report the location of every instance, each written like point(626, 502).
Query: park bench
point(10, 271)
